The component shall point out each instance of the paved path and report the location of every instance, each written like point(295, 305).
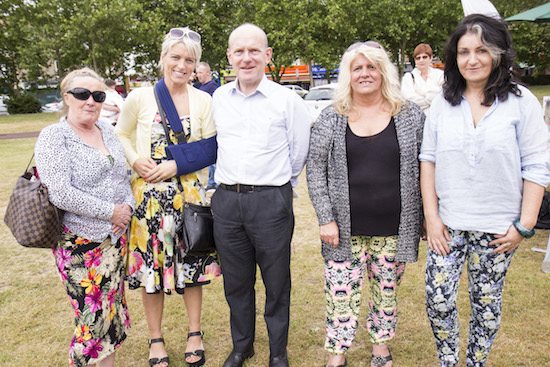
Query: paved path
point(30, 134)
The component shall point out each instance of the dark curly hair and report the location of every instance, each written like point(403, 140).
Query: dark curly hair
point(495, 36)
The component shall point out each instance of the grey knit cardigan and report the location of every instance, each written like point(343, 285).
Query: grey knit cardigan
point(327, 179)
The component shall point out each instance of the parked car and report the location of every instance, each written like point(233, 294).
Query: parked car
point(3, 107)
point(319, 97)
point(52, 107)
point(296, 88)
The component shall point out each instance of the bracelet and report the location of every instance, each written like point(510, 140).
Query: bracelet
point(524, 232)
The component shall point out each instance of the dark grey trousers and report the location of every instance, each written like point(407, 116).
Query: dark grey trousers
point(255, 228)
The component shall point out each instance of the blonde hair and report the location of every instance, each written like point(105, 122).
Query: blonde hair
point(68, 80)
point(193, 48)
point(391, 90)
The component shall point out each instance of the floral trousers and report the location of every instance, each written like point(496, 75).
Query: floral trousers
point(343, 284)
point(486, 272)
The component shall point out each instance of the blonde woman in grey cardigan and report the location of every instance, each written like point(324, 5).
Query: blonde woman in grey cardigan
point(363, 179)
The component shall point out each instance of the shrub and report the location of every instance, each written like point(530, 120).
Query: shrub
point(23, 103)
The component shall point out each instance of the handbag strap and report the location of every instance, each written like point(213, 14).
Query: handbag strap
point(166, 130)
point(29, 164)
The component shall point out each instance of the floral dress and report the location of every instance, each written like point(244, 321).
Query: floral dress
point(93, 275)
point(158, 259)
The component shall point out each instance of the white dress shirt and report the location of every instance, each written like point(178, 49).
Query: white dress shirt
point(420, 91)
point(479, 171)
point(263, 138)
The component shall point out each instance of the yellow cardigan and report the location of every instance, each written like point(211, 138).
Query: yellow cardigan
point(138, 113)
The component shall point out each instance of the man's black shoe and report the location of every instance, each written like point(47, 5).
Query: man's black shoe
point(279, 361)
point(236, 359)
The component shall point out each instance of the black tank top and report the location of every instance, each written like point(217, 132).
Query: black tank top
point(374, 187)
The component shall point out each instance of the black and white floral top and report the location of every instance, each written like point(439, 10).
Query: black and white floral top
point(81, 180)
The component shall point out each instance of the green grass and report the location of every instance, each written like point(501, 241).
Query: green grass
point(540, 91)
point(10, 124)
point(36, 318)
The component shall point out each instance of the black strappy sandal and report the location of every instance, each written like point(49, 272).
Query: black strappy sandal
point(196, 353)
point(380, 361)
point(154, 361)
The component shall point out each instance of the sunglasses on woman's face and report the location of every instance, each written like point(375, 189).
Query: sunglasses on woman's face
point(422, 57)
point(82, 94)
point(179, 33)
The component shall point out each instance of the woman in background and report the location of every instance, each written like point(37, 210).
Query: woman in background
point(424, 82)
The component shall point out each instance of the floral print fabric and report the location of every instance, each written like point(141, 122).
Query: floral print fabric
point(343, 283)
point(93, 276)
point(157, 257)
point(486, 272)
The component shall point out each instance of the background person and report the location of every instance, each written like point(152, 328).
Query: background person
point(207, 84)
point(423, 83)
point(362, 173)
point(484, 170)
point(82, 163)
point(113, 103)
point(158, 263)
point(263, 134)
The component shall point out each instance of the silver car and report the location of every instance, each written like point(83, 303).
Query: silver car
point(296, 88)
point(318, 98)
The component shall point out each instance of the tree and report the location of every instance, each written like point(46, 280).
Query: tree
point(531, 41)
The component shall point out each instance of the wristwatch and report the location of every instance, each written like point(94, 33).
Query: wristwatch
point(524, 232)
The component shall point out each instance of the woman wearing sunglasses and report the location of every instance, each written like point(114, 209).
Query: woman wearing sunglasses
point(362, 173)
point(82, 163)
point(423, 83)
point(158, 263)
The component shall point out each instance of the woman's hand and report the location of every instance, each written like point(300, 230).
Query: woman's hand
point(437, 236)
point(329, 234)
point(161, 172)
point(120, 218)
point(507, 242)
point(143, 165)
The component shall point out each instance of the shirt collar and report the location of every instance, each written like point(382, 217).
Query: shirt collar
point(263, 88)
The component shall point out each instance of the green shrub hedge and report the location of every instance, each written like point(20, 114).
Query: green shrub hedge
point(23, 103)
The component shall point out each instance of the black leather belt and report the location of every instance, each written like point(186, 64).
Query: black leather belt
point(245, 188)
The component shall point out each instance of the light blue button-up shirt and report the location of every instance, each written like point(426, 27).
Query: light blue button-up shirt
point(479, 171)
point(263, 138)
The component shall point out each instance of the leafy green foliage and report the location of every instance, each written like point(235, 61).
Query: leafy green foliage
point(54, 36)
point(23, 103)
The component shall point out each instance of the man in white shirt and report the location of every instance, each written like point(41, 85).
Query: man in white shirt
point(263, 140)
point(113, 103)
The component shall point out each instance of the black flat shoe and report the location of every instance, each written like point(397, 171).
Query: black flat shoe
point(236, 359)
point(279, 361)
point(155, 361)
point(197, 352)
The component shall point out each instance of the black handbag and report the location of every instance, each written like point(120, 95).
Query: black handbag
point(197, 229)
point(32, 219)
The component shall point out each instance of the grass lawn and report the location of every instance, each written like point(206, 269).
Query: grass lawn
point(36, 318)
point(540, 91)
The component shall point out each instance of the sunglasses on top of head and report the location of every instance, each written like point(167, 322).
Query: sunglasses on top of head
point(179, 33)
point(369, 43)
point(83, 94)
